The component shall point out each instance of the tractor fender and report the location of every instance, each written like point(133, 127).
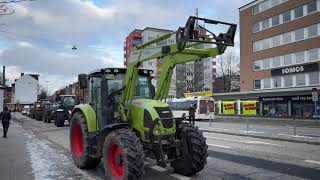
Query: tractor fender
point(90, 116)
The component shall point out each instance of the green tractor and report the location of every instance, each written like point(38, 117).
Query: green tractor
point(63, 111)
point(127, 119)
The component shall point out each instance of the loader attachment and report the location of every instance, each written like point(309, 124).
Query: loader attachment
point(201, 30)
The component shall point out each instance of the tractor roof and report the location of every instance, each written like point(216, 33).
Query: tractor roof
point(98, 72)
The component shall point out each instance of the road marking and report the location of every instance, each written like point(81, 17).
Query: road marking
point(159, 168)
point(313, 162)
point(208, 158)
point(245, 142)
point(221, 146)
point(178, 176)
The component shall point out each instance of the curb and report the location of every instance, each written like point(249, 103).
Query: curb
point(263, 137)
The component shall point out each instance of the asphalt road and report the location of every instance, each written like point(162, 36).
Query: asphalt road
point(45, 151)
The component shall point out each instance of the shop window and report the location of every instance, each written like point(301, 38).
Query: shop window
point(275, 20)
point(312, 7)
point(313, 30)
point(267, 83)
point(256, 27)
point(257, 65)
point(277, 82)
point(257, 84)
point(288, 81)
point(313, 55)
point(276, 61)
point(287, 38)
point(286, 16)
point(266, 64)
point(314, 78)
point(265, 24)
point(287, 60)
point(299, 34)
point(298, 12)
point(276, 41)
point(300, 80)
point(299, 56)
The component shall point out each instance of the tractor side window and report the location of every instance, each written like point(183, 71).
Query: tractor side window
point(143, 87)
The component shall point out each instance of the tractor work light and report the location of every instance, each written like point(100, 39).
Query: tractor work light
point(108, 70)
point(116, 70)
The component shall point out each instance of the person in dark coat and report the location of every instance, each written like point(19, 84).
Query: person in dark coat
point(5, 117)
point(191, 114)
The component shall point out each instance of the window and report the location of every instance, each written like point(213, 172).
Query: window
point(299, 56)
point(313, 55)
point(276, 41)
point(257, 65)
point(265, 24)
point(274, 2)
point(312, 7)
point(313, 30)
point(299, 34)
point(266, 44)
point(277, 82)
point(257, 84)
point(287, 38)
point(286, 16)
point(256, 27)
point(267, 83)
point(266, 64)
point(287, 59)
point(314, 78)
point(288, 81)
point(256, 46)
point(255, 9)
point(275, 20)
point(298, 12)
point(276, 61)
point(300, 80)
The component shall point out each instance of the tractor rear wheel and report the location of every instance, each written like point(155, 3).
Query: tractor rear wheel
point(60, 119)
point(196, 148)
point(123, 156)
point(79, 142)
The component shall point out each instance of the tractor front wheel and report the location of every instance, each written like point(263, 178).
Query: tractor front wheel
point(197, 151)
point(79, 142)
point(60, 119)
point(123, 156)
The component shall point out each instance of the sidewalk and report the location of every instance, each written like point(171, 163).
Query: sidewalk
point(284, 132)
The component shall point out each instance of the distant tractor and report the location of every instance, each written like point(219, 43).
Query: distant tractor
point(127, 119)
point(64, 109)
point(39, 108)
point(49, 113)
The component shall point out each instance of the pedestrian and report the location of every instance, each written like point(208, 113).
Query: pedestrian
point(191, 113)
point(5, 117)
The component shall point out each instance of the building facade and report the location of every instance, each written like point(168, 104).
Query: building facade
point(26, 89)
point(189, 77)
point(280, 52)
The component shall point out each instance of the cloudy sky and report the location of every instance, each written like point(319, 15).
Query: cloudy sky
point(39, 36)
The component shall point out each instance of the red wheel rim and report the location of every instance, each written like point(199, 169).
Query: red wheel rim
point(115, 160)
point(77, 140)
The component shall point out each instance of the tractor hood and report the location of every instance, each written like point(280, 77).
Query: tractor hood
point(157, 109)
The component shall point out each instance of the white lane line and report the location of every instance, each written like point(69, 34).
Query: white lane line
point(178, 176)
point(245, 142)
point(208, 158)
point(217, 145)
point(313, 162)
point(159, 168)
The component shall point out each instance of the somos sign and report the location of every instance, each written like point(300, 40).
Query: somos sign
point(295, 69)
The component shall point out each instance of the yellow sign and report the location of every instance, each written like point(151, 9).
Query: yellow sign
point(249, 108)
point(228, 107)
point(204, 93)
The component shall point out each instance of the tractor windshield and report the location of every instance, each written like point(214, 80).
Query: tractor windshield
point(69, 101)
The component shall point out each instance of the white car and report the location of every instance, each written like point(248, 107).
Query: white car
point(26, 110)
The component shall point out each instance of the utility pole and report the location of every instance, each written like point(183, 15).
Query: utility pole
point(4, 77)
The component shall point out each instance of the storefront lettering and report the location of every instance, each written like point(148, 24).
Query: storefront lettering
point(292, 70)
point(273, 99)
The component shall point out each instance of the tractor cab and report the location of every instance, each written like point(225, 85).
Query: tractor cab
point(105, 87)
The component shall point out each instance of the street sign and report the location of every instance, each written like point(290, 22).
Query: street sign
point(315, 94)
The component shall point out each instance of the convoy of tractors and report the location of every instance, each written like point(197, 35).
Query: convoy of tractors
point(128, 119)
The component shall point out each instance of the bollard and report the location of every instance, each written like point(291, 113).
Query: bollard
point(210, 119)
point(295, 126)
point(247, 125)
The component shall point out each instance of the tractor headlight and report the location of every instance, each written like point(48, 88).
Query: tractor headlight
point(69, 112)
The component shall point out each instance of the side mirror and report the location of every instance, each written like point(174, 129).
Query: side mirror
point(83, 81)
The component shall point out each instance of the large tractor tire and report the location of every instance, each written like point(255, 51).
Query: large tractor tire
point(79, 142)
point(123, 156)
point(60, 119)
point(196, 148)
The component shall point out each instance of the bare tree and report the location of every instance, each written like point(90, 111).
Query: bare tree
point(43, 93)
point(5, 10)
point(228, 68)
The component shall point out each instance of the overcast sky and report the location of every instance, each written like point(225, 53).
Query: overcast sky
point(39, 36)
